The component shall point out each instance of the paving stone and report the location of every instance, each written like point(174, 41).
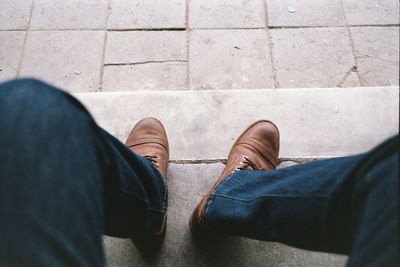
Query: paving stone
point(226, 14)
point(148, 76)
point(134, 14)
point(203, 124)
point(286, 164)
point(187, 183)
point(230, 59)
point(312, 57)
point(11, 43)
point(71, 14)
point(377, 52)
point(305, 13)
point(14, 14)
point(373, 12)
point(141, 46)
point(68, 59)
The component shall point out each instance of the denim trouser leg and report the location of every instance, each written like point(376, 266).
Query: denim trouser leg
point(345, 205)
point(64, 181)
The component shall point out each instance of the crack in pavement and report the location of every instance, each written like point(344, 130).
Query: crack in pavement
point(145, 62)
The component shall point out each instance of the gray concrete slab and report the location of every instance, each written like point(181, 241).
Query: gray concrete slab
point(305, 13)
point(72, 14)
point(187, 183)
point(68, 59)
point(371, 12)
point(15, 15)
point(313, 57)
point(10, 53)
point(135, 14)
point(377, 53)
point(226, 14)
point(204, 124)
point(148, 76)
point(229, 59)
point(143, 46)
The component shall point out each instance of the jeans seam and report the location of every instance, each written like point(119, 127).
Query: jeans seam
point(268, 196)
point(164, 204)
point(210, 200)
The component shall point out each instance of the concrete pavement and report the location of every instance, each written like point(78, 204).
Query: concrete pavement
point(295, 62)
point(114, 45)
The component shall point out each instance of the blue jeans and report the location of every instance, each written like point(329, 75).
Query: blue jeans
point(64, 182)
point(346, 205)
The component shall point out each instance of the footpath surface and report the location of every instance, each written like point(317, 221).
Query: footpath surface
point(325, 71)
point(113, 45)
point(202, 125)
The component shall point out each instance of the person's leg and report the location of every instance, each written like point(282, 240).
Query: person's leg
point(345, 205)
point(64, 181)
point(376, 230)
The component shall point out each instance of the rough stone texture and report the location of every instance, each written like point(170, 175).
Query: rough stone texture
point(68, 59)
point(141, 46)
point(226, 14)
point(134, 14)
point(217, 58)
point(317, 57)
point(305, 13)
point(14, 14)
point(71, 14)
point(367, 12)
point(148, 76)
point(187, 183)
point(230, 59)
point(286, 164)
point(10, 53)
point(204, 124)
point(377, 52)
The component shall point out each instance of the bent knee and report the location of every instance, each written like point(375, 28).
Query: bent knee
point(36, 98)
point(23, 89)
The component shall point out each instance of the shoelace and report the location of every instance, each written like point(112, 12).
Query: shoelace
point(246, 164)
point(153, 159)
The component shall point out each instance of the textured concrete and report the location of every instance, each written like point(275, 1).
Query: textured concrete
point(71, 14)
point(377, 53)
point(143, 46)
point(187, 183)
point(147, 76)
point(204, 124)
point(14, 14)
point(313, 57)
point(10, 53)
point(226, 14)
point(305, 13)
point(229, 59)
point(136, 14)
point(222, 44)
point(68, 59)
point(371, 12)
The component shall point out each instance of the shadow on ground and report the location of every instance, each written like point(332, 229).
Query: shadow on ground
point(187, 183)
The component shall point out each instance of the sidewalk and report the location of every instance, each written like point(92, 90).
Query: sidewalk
point(207, 67)
point(115, 45)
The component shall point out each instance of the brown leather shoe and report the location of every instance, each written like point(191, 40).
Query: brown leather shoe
point(257, 148)
point(149, 139)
